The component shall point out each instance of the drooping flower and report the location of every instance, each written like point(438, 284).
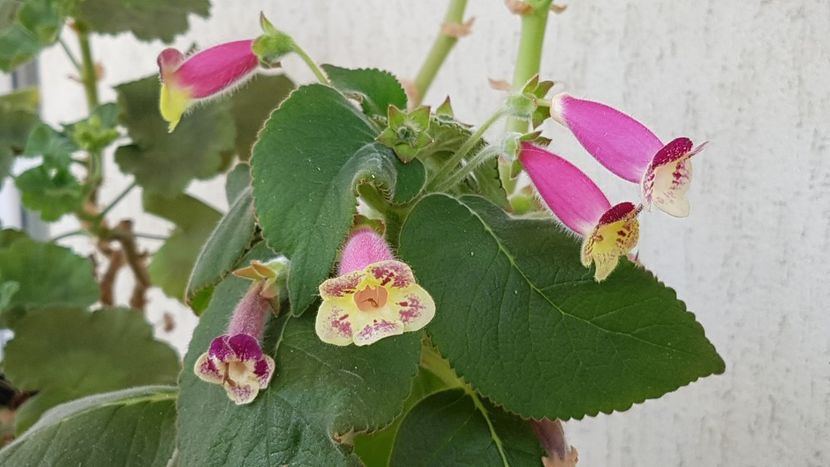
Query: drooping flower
point(235, 359)
point(608, 231)
point(552, 437)
point(208, 73)
point(375, 295)
point(631, 151)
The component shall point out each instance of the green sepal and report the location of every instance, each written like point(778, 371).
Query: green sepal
point(406, 133)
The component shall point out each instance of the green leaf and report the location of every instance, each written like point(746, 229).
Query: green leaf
point(18, 115)
point(171, 264)
point(237, 181)
point(48, 274)
point(165, 162)
point(448, 429)
point(27, 26)
point(98, 130)
point(225, 246)
point(67, 353)
point(52, 144)
point(146, 19)
point(376, 89)
point(131, 428)
point(251, 105)
point(318, 391)
point(312, 154)
point(523, 322)
point(52, 192)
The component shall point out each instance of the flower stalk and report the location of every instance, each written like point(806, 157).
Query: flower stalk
point(441, 48)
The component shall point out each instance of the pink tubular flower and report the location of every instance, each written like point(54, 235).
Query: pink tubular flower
point(608, 231)
point(552, 437)
point(374, 297)
point(201, 76)
point(630, 150)
point(235, 360)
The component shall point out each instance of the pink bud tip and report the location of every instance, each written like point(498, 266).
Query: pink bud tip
point(364, 247)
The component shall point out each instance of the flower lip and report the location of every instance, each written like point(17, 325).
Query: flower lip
point(169, 61)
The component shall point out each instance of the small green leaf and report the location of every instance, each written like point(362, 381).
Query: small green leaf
point(199, 147)
point(237, 181)
point(251, 105)
point(136, 426)
point(26, 27)
point(375, 89)
point(318, 391)
point(67, 353)
point(447, 428)
point(525, 324)
point(97, 131)
point(18, 115)
point(54, 146)
point(52, 192)
point(304, 183)
point(48, 274)
point(146, 19)
point(225, 246)
point(171, 264)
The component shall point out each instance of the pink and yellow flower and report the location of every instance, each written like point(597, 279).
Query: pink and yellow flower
point(206, 74)
point(608, 231)
point(374, 297)
point(630, 150)
point(235, 360)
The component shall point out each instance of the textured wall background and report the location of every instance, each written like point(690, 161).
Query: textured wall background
point(751, 261)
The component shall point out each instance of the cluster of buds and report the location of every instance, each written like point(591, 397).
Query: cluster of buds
point(628, 149)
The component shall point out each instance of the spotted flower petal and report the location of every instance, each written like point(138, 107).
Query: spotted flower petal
point(668, 176)
point(379, 300)
point(203, 75)
point(238, 364)
point(620, 143)
point(608, 231)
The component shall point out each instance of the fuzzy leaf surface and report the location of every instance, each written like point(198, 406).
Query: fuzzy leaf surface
point(376, 89)
point(524, 323)
point(146, 19)
point(131, 428)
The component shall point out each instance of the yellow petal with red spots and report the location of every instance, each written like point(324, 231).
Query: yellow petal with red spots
point(615, 235)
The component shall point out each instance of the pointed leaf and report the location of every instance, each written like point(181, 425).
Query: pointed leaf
point(376, 89)
point(523, 322)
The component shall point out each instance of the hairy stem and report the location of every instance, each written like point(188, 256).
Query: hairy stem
point(89, 76)
point(312, 65)
point(438, 53)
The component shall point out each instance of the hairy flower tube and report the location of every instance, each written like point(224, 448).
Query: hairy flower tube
point(374, 297)
point(235, 359)
point(206, 74)
point(631, 151)
point(608, 231)
point(552, 437)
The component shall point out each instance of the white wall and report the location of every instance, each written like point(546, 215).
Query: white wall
point(752, 77)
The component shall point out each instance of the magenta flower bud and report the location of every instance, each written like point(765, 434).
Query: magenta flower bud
point(551, 435)
point(608, 231)
point(374, 297)
point(631, 151)
point(235, 359)
point(201, 76)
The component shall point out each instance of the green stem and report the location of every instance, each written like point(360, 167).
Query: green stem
point(438, 53)
point(318, 72)
point(468, 168)
point(68, 234)
point(465, 148)
point(117, 199)
point(70, 55)
point(89, 77)
point(529, 58)
point(149, 236)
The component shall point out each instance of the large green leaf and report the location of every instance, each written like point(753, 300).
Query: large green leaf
point(67, 353)
point(18, 115)
point(448, 429)
point(27, 26)
point(313, 152)
point(51, 191)
point(375, 89)
point(131, 428)
point(165, 162)
point(172, 263)
point(318, 391)
point(228, 242)
point(251, 105)
point(527, 326)
point(47, 274)
point(146, 19)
